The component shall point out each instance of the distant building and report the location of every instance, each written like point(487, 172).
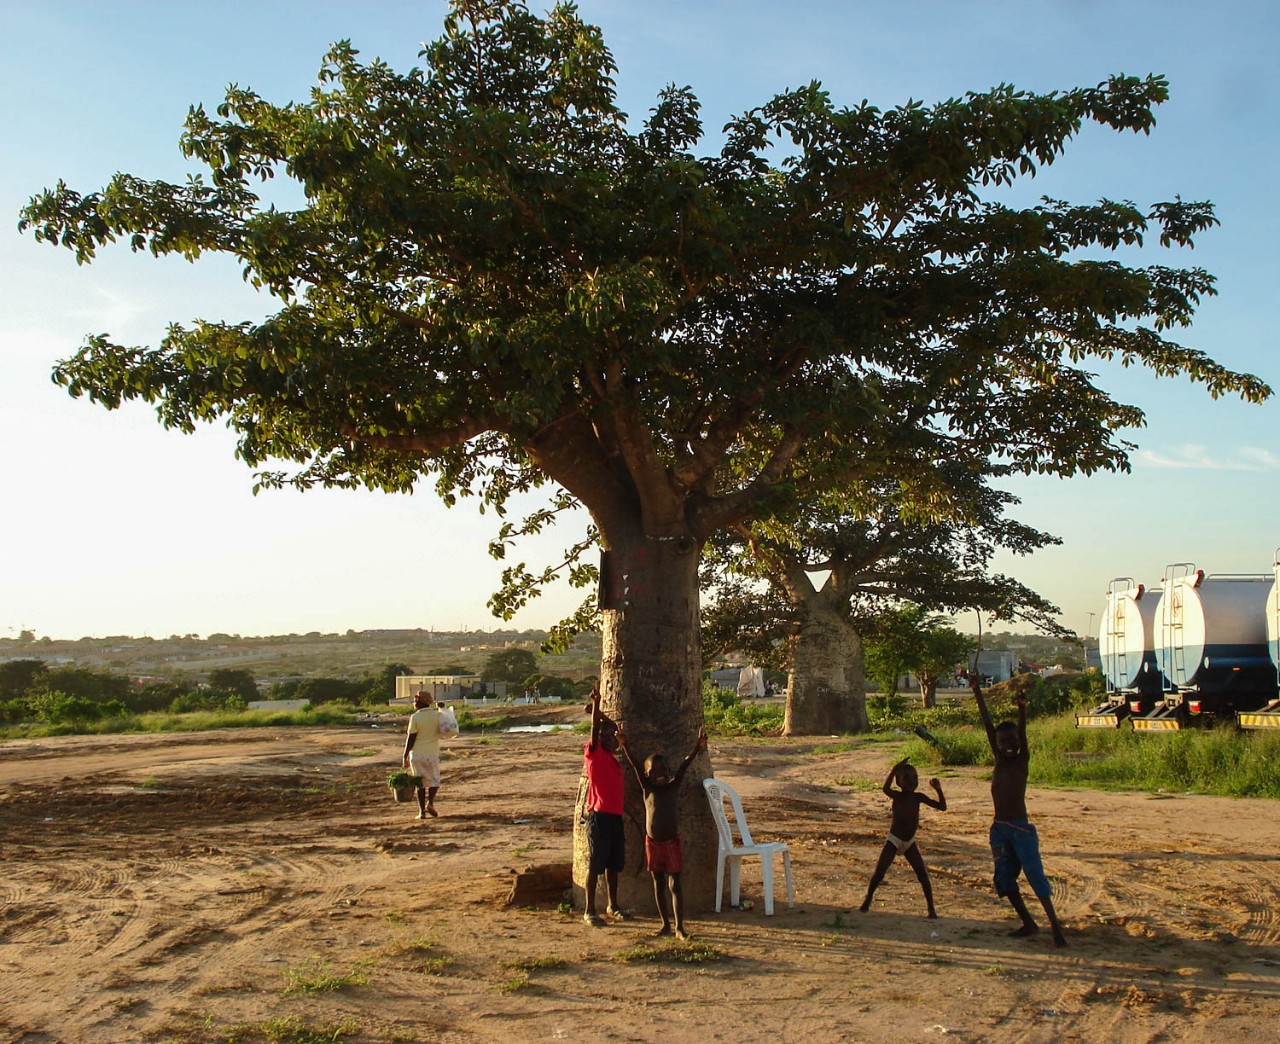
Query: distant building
point(994, 665)
point(448, 686)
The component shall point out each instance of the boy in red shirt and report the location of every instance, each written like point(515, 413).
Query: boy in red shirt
point(605, 840)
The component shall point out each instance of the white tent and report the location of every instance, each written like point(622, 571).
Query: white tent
point(750, 683)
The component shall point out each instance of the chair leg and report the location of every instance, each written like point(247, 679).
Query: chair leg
point(786, 867)
point(766, 872)
point(719, 880)
point(735, 880)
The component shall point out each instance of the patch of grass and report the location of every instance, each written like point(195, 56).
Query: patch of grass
point(194, 721)
point(726, 715)
point(149, 782)
point(418, 955)
point(524, 850)
point(468, 722)
point(1219, 760)
point(677, 953)
point(292, 1029)
point(860, 784)
point(434, 965)
point(363, 752)
point(483, 741)
point(315, 976)
point(532, 964)
point(565, 908)
point(513, 985)
point(394, 916)
point(839, 748)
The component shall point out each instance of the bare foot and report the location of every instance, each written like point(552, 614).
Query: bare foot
point(1059, 939)
point(864, 908)
point(431, 810)
point(664, 930)
point(933, 915)
point(1025, 931)
point(682, 935)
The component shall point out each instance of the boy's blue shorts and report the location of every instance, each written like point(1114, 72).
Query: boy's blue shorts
point(1015, 847)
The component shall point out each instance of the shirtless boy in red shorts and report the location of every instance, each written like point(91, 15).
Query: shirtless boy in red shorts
point(663, 854)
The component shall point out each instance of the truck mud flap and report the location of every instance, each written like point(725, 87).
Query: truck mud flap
point(1104, 716)
point(1267, 717)
point(1162, 719)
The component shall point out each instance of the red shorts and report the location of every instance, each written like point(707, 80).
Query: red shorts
point(664, 857)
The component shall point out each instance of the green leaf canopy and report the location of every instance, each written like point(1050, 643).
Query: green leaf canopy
point(495, 280)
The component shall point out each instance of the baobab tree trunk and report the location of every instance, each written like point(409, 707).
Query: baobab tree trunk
point(928, 689)
point(827, 689)
point(651, 682)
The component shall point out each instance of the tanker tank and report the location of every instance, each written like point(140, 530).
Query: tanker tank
point(1126, 649)
point(1268, 716)
point(1211, 647)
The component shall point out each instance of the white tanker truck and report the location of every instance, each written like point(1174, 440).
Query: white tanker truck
point(1206, 647)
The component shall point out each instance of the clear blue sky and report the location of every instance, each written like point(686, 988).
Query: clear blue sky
point(112, 525)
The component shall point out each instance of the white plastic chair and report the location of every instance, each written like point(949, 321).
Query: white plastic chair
point(717, 791)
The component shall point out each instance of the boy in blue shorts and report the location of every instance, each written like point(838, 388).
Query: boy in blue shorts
point(1015, 847)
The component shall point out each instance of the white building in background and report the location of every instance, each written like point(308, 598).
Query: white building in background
point(995, 665)
point(448, 687)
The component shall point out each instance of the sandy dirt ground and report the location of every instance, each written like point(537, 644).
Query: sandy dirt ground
point(207, 887)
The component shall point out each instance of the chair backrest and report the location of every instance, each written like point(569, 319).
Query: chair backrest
point(717, 791)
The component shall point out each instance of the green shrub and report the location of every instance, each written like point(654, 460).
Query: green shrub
point(206, 700)
point(60, 709)
point(468, 722)
point(16, 710)
point(1066, 691)
point(723, 712)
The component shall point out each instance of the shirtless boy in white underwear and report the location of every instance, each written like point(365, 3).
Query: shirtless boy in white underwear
point(902, 830)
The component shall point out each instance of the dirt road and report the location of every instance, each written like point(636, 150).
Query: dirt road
point(210, 887)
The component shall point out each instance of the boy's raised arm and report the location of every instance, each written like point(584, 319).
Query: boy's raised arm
point(887, 788)
point(976, 685)
point(597, 716)
point(941, 803)
point(626, 753)
point(698, 745)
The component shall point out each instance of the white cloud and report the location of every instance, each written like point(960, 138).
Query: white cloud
point(1194, 456)
point(110, 310)
point(1263, 459)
